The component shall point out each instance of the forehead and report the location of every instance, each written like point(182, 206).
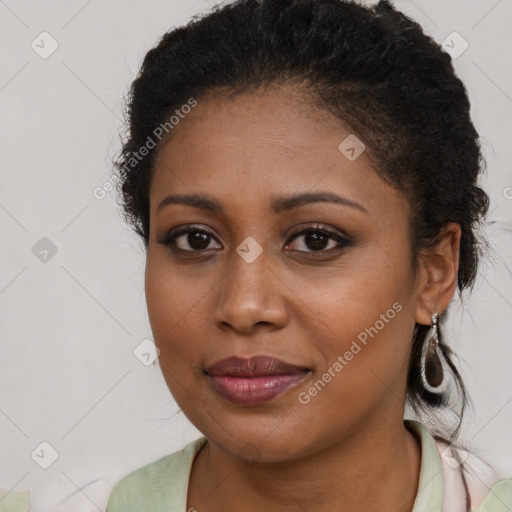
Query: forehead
point(264, 143)
point(260, 117)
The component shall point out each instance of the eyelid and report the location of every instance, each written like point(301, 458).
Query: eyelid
point(318, 226)
point(169, 236)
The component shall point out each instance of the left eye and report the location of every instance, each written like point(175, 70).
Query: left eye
point(319, 240)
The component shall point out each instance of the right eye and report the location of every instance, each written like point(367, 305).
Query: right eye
point(188, 239)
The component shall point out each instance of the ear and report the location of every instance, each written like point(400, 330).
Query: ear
point(439, 268)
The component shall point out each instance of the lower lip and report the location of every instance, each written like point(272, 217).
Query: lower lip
point(254, 390)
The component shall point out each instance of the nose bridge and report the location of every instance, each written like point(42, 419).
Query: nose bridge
point(248, 292)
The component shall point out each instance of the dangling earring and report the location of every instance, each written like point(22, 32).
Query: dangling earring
point(433, 376)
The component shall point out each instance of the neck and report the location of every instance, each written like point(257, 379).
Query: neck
point(374, 469)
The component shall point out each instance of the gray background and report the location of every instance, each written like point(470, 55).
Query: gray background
point(69, 325)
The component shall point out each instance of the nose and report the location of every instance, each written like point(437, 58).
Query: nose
point(250, 295)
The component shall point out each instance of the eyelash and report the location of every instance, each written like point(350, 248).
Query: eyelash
point(169, 238)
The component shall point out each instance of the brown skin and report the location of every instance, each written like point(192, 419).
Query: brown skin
point(348, 448)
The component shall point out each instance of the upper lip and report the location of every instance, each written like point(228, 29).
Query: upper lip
point(253, 366)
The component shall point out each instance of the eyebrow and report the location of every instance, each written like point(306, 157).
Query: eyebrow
point(278, 205)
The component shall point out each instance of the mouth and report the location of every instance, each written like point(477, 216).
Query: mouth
point(255, 380)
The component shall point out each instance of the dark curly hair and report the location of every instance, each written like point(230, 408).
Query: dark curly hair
point(371, 67)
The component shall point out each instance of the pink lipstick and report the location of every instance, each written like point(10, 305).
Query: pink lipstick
point(255, 380)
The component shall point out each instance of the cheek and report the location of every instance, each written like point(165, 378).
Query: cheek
point(173, 315)
point(362, 369)
point(367, 291)
point(174, 311)
point(364, 316)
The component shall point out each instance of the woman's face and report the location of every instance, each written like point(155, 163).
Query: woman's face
point(338, 302)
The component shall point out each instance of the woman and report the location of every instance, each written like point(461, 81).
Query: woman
point(303, 175)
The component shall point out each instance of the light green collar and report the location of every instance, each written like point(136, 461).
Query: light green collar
point(430, 486)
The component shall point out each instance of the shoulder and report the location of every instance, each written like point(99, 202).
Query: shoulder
point(458, 479)
point(148, 489)
point(487, 492)
point(14, 501)
point(498, 498)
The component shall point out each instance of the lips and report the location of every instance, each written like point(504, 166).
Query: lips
point(253, 367)
point(255, 380)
